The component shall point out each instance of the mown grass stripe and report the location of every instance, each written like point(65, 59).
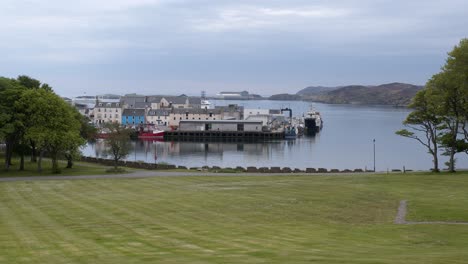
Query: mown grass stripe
point(339, 219)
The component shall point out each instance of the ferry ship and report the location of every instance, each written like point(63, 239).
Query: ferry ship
point(313, 121)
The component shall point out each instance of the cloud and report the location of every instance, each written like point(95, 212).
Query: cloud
point(225, 41)
point(253, 17)
point(315, 12)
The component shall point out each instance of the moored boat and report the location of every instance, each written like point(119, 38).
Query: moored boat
point(151, 132)
point(313, 121)
point(290, 133)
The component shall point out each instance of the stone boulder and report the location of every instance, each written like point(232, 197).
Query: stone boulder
point(275, 170)
point(322, 170)
point(241, 169)
point(252, 169)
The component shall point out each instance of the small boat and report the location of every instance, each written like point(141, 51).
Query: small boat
point(290, 133)
point(102, 134)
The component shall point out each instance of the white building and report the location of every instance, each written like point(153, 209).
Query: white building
point(107, 112)
point(179, 114)
point(220, 125)
point(266, 116)
point(158, 117)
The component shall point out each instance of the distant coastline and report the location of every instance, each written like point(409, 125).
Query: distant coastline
point(394, 94)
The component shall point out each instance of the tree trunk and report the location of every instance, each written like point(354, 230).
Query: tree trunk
point(33, 152)
point(433, 133)
point(55, 167)
point(452, 161)
point(7, 161)
point(436, 163)
point(39, 162)
point(69, 161)
point(8, 154)
point(116, 163)
point(21, 168)
point(453, 147)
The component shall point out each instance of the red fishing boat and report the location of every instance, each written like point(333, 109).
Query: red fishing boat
point(151, 134)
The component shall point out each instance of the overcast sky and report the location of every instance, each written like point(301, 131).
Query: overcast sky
point(186, 46)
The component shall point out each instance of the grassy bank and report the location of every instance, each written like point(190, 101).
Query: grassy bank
point(79, 168)
point(277, 219)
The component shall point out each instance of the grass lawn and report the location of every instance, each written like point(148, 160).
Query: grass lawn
point(236, 219)
point(79, 168)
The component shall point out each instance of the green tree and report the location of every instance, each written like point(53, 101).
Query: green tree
point(117, 141)
point(53, 125)
point(452, 85)
point(31, 83)
point(444, 115)
point(11, 128)
point(87, 131)
point(424, 120)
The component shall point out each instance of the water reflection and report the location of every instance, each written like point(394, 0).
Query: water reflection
point(226, 154)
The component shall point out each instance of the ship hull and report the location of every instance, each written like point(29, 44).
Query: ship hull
point(311, 126)
point(151, 135)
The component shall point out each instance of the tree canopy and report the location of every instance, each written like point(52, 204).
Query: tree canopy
point(117, 141)
point(445, 115)
point(32, 114)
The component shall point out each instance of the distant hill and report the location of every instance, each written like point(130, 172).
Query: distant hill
point(386, 94)
point(285, 97)
point(315, 90)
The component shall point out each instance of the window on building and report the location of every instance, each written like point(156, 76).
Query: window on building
point(116, 116)
point(105, 116)
point(211, 114)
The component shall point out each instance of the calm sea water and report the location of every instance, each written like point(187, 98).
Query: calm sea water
point(346, 142)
